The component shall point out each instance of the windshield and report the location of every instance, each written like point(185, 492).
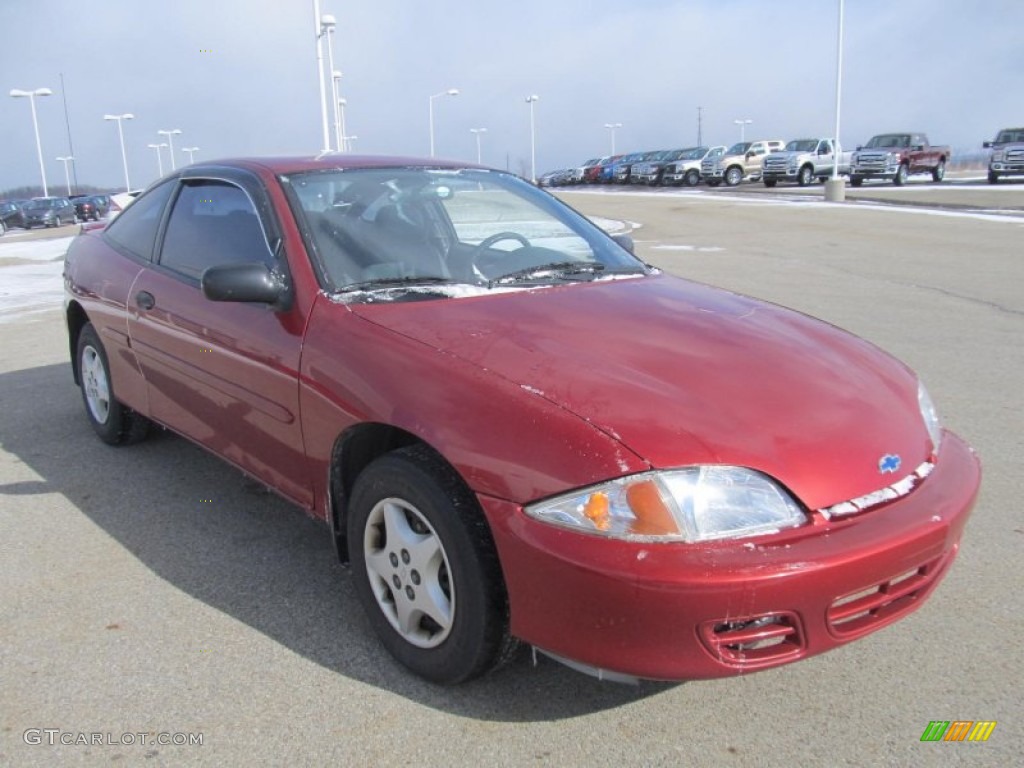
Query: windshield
point(42, 205)
point(802, 145)
point(1010, 136)
point(382, 228)
point(696, 153)
point(739, 149)
point(888, 141)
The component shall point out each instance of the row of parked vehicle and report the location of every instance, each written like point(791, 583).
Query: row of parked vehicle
point(889, 156)
point(52, 211)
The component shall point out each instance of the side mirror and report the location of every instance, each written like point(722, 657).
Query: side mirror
point(749, 155)
point(859, 147)
point(987, 145)
point(251, 282)
point(919, 147)
point(625, 241)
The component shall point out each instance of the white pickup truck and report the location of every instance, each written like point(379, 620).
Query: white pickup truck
point(803, 161)
point(686, 169)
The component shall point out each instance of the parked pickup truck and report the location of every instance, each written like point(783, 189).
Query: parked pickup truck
point(1007, 154)
point(803, 161)
point(896, 156)
point(741, 161)
point(686, 169)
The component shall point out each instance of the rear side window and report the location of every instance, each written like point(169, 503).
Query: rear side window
point(213, 223)
point(135, 229)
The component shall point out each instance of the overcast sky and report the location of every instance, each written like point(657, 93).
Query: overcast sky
point(238, 77)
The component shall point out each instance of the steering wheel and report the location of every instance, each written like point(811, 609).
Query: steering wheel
point(486, 263)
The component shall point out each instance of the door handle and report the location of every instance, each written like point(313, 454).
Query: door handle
point(145, 300)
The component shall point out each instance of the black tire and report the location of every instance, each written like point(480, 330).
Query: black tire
point(113, 422)
point(770, 182)
point(692, 178)
point(806, 177)
point(733, 176)
point(993, 178)
point(856, 181)
point(901, 176)
point(939, 172)
point(417, 498)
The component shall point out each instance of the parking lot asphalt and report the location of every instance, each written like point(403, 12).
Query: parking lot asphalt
point(154, 589)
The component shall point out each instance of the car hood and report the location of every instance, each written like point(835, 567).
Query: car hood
point(682, 374)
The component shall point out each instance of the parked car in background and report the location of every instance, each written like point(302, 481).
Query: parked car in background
point(10, 215)
point(621, 171)
point(1007, 154)
point(85, 208)
point(48, 212)
point(803, 161)
point(579, 174)
point(896, 156)
point(686, 168)
point(562, 485)
point(604, 171)
point(741, 161)
point(651, 170)
point(103, 203)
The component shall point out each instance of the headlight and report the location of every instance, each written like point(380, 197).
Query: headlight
point(692, 504)
point(931, 418)
point(892, 158)
point(999, 156)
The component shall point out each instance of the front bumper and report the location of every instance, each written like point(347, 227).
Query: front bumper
point(691, 611)
point(1008, 168)
point(886, 172)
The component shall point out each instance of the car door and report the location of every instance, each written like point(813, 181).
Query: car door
point(224, 374)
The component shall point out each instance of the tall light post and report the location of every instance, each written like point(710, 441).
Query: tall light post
point(835, 188)
point(170, 143)
point(531, 100)
point(476, 132)
point(18, 93)
point(120, 132)
point(742, 123)
point(327, 26)
point(342, 103)
point(339, 129)
point(191, 153)
point(611, 127)
point(159, 157)
point(449, 92)
point(67, 176)
point(319, 33)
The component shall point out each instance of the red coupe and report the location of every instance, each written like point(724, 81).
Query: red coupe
point(515, 430)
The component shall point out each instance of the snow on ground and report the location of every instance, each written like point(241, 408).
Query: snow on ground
point(31, 276)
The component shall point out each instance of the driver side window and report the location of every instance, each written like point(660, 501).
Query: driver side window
point(213, 223)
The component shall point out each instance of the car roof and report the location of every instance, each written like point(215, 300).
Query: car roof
point(323, 162)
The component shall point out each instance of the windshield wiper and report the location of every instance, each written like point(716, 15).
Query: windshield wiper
point(396, 282)
point(557, 269)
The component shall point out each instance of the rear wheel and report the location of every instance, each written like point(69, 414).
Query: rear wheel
point(425, 567)
point(114, 423)
point(939, 172)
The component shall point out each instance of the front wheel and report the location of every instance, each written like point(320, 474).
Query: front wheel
point(806, 176)
point(425, 567)
point(114, 423)
point(770, 182)
point(901, 176)
point(733, 176)
point(993, 178)
point(691, 178)
point(939, 172)
point(856, 181)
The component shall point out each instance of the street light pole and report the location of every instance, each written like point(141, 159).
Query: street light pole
point(67, 176)
point(159, 157)
point(120, 132)
point(18, 93)
point(327, 25)
point(191, 153)
point(449, 92)
point(611, 127)
point(742, 123)
point(531, 100)
point(318, 31)
point(170, 143)
point(342, 103)
point(839, 93)
point(477, 132)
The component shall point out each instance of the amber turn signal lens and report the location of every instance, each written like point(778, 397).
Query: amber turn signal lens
point(653, 518)
point(596, 510)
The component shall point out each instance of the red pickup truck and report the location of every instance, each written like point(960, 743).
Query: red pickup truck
point(896, 156)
